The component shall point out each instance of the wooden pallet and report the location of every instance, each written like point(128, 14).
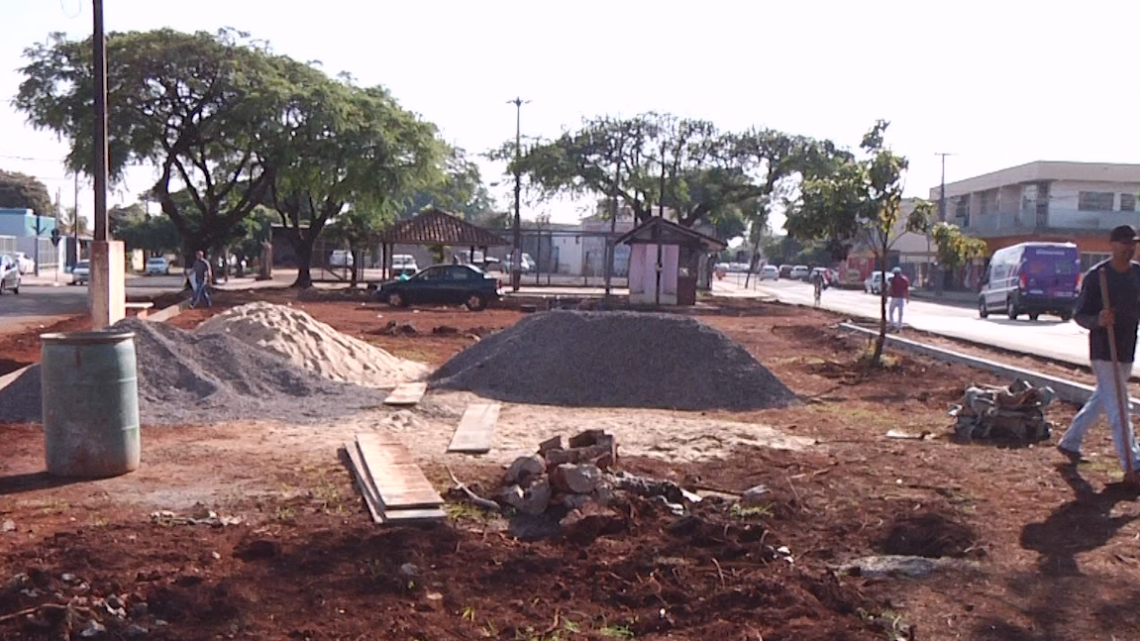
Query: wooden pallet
point(394, 487)
point(406, 394)
point(476, 429)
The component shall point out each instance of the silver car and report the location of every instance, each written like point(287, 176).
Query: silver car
point(81, 275)
point(9, 274)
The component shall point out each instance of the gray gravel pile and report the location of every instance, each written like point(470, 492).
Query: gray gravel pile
point(614, 359)
point(190, 378)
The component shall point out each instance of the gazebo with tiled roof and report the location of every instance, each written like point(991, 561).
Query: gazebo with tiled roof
point(435, 227)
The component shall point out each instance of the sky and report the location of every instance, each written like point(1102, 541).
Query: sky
point(994, 82)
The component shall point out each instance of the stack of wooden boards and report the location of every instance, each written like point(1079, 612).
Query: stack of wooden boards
point(394, 487)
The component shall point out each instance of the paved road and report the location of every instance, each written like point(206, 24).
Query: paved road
point(39, 300)
point(1047, 337)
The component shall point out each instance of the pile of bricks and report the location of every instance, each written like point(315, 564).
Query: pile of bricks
point(566, 477)
point(1016, 412)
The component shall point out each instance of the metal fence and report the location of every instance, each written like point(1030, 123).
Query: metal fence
point(8, 245)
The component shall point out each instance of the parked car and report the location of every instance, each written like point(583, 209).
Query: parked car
point(769, 272)
point(526, 265)
point(157, 267)
point(800, 272)
point(874, 282)
point(9, 274)
point(81, 274)
point(341, 258)
point(786, 271)
point(404, 265)
point(443, 285)
point(1033, 279)
point(26, 264)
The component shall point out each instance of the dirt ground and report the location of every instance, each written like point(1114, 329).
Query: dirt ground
point(1040, 551)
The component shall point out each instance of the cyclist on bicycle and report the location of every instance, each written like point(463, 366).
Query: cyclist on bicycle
point(818, 282)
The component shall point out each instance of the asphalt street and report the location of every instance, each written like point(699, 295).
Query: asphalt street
point(1047, 337)
point(41, 300)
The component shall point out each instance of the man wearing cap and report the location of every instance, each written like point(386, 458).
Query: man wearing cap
point(1123, 278)
point(899, 290)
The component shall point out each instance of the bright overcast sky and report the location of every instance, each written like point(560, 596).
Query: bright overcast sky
point(997, 82)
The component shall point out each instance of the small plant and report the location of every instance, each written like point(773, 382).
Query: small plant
point(570, 626)
point(469, 614)
point(489, 630)
point(285, 513)
point(751, 512)
point(891, 623)
point(617, 632)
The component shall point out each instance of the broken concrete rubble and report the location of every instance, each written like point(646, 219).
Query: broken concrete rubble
point(1016, 412)
point(582, 478)
point(524, 469)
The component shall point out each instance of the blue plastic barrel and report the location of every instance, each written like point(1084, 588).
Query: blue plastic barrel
point(89, 383)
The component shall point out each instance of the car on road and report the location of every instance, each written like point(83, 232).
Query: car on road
point(341, 258)
point(9, 274)
point(769, 272)
point(786, 271)
point(1032, 279)
point(157, 267)
point(526, 265)
point(800, 272)
point(81, 274)
point(404, 265)
point(443, 285)
point(25, 263)
point(874, 282)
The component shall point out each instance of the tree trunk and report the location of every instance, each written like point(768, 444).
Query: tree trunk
point(355, 267)
point(877, 356)
point(304, 248)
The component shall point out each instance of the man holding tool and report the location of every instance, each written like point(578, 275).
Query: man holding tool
point(1109, 307)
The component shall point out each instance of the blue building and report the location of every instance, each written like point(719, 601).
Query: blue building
point(18, 229)
point(21, 223)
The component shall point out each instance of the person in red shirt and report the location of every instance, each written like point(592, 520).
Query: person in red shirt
point(899, 293)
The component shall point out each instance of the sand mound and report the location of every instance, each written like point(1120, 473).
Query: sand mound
point(205, 378)
point(614, 359)
point(310, 344)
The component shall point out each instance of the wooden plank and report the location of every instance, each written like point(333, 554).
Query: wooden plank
point(351, 457)
point(406, 394)
point(407, 516)
point(476, 429)
point(399, 482)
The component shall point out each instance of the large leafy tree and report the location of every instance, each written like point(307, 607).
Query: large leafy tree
point(337, 145)
point(21, 191)
point(137, 230)
point(193, 105)
point(846, 200)
point(461, 191)
point(705, 175)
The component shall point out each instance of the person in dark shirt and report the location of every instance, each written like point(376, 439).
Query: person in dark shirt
point(1122, 319)
point(202, 273)
point(899, 292)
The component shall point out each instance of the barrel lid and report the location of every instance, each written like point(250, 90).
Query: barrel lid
point(87, 338)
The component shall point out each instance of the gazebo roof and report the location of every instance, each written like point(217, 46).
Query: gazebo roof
point(658, 231)
point(437, 227)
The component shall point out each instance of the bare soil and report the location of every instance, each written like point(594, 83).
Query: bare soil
point(1047, 552)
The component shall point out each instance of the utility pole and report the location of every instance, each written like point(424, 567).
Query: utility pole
point(516, 253)
point(75, 219)
point(107, 294)
point(99, 49)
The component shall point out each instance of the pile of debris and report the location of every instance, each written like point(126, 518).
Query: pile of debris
point(569, 477)
point(187, 378)
point(308, 343)
point(614, 359)
point(1015, 412)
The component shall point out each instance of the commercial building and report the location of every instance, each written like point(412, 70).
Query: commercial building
point(23, 231)
point(1046, 201)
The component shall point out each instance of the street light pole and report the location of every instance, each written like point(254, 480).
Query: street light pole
point(100, 52)
point(516, 252)
point(941, 215)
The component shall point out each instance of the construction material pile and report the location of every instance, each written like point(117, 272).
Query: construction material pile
point(188, 378)
point(310, 344)
point(569, 477)
point(614, 359)
point(1015, 412)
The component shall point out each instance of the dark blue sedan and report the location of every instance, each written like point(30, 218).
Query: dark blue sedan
point(443, 285)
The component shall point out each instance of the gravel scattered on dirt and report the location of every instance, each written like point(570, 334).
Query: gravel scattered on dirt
point(187, 378)
point(614, 359)
point(298, 337)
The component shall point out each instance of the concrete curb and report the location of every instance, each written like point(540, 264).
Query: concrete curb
point(1066, 390)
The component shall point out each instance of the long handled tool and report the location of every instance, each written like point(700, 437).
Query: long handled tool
point(1121, 400)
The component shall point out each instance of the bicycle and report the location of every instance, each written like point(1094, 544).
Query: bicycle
point(818, 286)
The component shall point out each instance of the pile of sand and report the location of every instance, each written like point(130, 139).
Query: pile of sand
point(310, 344)
point(614, 359)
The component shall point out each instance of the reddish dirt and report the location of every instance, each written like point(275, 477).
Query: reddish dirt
point(1049, 550)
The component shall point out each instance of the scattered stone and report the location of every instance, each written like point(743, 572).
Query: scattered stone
point(8, 526)
point(68, 577)
point(583, 478)
point(532, 501)
point(524, 468)
point(914, 567)
point(139, 609)
point(93, 630)
point(444, 330)
point(573, 501)
point(114, 602)
point(135, 631)
point(394, 328)
point(754, 496)
point(409, 570)
point(550, 444)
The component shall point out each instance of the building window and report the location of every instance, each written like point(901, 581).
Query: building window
point(1090, 259)
point(1095, 200)
point(962, 207)
point(1127, 202)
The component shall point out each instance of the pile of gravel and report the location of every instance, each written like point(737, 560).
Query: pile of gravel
point(187, 378)
point(614, 359)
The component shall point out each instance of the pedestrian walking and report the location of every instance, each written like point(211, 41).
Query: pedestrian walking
point(1112, 328)
point(202, 273)
point(899, 293)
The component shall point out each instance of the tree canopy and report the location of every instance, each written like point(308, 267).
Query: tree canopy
point(21, 191)
point(194, 105)
point(726, 179)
